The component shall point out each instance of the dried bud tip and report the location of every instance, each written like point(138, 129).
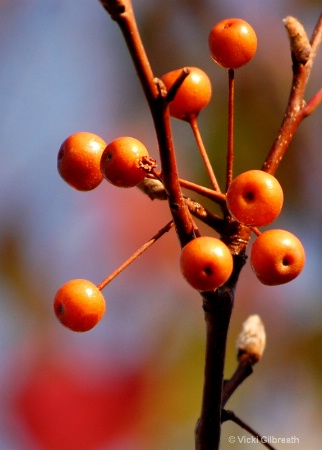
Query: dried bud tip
point(300, 44)
point(252, 339)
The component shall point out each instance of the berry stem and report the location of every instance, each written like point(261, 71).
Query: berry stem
point(296, 110)
point(256, 231)
point(195, 129)
point(216, 196)
point(135, 255)
point(230, 144)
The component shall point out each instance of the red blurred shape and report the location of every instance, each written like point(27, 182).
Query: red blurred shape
point(64, 409)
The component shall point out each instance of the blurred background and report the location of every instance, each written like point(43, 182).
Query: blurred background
point(135, 381)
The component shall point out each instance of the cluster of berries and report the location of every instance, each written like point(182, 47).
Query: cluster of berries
point(254, 198)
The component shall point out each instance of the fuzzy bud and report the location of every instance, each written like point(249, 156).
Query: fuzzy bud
point(153, 188)
point(300, 44)
point(252, 339)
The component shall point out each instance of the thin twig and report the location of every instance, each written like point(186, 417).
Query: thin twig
point(135, 255)
point(243, 371)
point(230, 415)
point(312, 104)
point(230, 144)
point(203, 152)
point(172, 92)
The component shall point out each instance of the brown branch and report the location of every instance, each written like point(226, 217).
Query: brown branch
point(122, 12)
point(296, 110)
point(243, 371)
point(218, 307)
point(204, 215)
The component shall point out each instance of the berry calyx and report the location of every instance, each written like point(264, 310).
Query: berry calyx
point(206, 263)
point(277, 257)
point(255, 198)
point(232, 43)
point(79, 305)
point(78, 160)
point(123, 160)
point(192, 96)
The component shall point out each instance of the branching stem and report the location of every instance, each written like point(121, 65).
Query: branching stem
point(296, 109)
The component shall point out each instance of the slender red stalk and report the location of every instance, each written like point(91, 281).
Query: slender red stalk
point(230, 143)
point(203, 152)
point(135, 255)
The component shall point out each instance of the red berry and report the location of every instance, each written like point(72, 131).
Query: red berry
point(78, 160)
point(121, 162)
point(255, 198)
point(232, 43)
point(192, 96)
point(79, 305)
point(206, 263)
point(277, 257)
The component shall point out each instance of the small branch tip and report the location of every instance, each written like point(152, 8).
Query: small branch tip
point(300, 44)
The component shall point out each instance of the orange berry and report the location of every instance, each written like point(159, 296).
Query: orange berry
point(79, 305)
point(78, 160)
point(121, 162)
point(277, 257)
point(255, 198)
point(232, 43)
point(193, 94)
point(206, 263)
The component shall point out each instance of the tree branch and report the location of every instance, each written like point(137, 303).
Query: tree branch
point(122, 12)
point(296, 110)
point(243, 371)
point(218, 307)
